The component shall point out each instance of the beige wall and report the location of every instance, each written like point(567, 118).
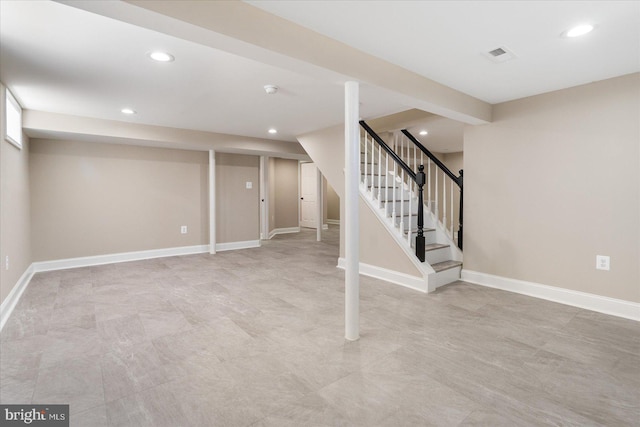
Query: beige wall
point(553, 182)
point(15, 228)
point(237, 208)
point(284, 205)
point(93, 199)
point(333, 203)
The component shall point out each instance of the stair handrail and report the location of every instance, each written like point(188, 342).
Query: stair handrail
point(388, 149)
point(419, 178)
point(457, 179)
point(433, 158)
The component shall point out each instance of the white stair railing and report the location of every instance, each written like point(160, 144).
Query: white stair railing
point(395, 188)
point(442, 185)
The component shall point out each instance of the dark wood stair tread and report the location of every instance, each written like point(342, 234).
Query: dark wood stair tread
point(415, 230)
point(434, 246)
point(445, 265)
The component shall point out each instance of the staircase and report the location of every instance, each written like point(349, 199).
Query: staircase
point(393, 175)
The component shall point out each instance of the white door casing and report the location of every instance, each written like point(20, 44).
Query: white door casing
point(308, 195)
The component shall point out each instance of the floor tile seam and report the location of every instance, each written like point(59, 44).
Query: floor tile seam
point(587, 366)
point(524, 403)
point(136, 391)
point(603, 346)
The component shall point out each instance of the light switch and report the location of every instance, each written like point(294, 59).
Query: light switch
point(249, 185)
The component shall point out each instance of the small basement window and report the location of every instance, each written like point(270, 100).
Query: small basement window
point(13, 120)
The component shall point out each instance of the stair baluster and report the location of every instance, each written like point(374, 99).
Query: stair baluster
point(420, 180)
point(444, 202)
point(379, 176)
point(364, 169)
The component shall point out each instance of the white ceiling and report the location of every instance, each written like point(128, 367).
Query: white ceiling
point(445, 40)
point(62, 59)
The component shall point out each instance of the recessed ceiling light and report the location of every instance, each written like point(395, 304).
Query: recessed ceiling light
point(161, 56)
point(423, 132)
point(580, 30)
point(273, 131)
point(271, 89)
point(127, 111)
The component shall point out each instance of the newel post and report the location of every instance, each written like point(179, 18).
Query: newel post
point(420, 180)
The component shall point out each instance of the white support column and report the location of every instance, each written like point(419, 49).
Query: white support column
point(264, 195)
point(212, 202)
point(319, 205)
point(351, 223)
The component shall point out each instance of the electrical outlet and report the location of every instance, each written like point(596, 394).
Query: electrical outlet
point(183, 229)
point(602, 262)
point(249, 185)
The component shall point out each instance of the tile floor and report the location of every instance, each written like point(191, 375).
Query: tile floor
point(255, 338)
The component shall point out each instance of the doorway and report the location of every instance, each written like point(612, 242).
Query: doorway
point(308, 195)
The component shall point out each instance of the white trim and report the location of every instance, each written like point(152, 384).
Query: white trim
point(395, 277)
point(63, 264)
point(264, 194)
point(325, 226)
point(10, 302)
point(602, 304)
point(288, 230)
point(231, 246)
point(352, 215)
point(212, 202)
point(333, 221)
point(10, 99)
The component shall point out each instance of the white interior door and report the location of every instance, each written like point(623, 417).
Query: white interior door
point(308, 195)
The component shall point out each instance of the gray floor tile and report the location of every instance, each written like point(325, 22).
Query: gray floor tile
point(256, 337)
point(76, 382)
point(131, 369)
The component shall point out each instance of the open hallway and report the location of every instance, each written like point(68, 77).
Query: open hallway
point(255, 337)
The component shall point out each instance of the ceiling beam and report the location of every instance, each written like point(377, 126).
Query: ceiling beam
point(45, 125)
point(250, 32)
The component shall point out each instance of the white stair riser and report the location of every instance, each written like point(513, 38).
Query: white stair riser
point(367, 172)
point(429, 237)
point(437, 255)
point(413, 219)
point(398, 205)
point(447, 276)
point(387, 194)
point(377, 181)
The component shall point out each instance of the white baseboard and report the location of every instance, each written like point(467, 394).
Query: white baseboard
point(325, 226)
point(231, 246)
point(396, 277)
point(612, 306)
point(287, 230)
point(10, 302)
point(333, 221)
point(63, 264)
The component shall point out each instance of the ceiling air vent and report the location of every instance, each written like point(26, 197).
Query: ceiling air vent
point(499, 54)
